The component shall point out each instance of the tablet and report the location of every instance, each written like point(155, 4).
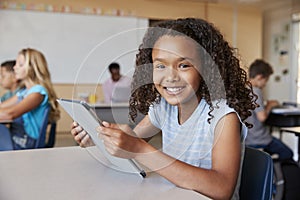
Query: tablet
point(83, 114)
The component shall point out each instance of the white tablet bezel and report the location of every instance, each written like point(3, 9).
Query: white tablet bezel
point(84, 114)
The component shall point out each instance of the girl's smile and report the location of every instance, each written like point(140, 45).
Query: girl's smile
point(175, 69)
point(174, 90)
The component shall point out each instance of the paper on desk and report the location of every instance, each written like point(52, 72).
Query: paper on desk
point(287, 110)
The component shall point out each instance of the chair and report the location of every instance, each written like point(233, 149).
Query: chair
point(41, 140)
point(257, 175)
point(52, 134)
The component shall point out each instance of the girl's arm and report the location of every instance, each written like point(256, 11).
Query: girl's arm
point(17, 109)
point(145, 129)
point(9, 102)
point(217, 183)
point(263, 115)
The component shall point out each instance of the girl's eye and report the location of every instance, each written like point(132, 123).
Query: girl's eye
point(160, 66)
point(182, 65)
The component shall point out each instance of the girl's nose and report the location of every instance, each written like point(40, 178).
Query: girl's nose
point(172, 75)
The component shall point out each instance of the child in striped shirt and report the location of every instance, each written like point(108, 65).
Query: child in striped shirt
point(189, 85)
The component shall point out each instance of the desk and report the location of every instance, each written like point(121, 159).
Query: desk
point(6, 121)
point(287, 120)
point(115, 112)
point(296, 131)
point(284, 117)
point(72, 173)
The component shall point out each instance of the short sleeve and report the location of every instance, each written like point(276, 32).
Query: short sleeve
point(220, 111)
point(35, 89)
point(158, 113)
point(152, 113)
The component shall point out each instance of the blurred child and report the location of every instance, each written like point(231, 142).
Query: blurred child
point(259, 135)
point(116, 80)
point(28, 106)
point(8, 80)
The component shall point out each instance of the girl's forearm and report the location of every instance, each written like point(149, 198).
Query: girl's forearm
point(208, 182)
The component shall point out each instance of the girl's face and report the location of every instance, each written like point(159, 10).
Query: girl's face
point(8, 79)
point(19, 68)
point(259, 81)
point(175, 69)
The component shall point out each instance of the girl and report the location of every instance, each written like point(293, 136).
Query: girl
point(26, 108)
point(8, 80)
point(190, 86)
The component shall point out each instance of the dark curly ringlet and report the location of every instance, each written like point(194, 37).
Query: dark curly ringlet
point(221, 74)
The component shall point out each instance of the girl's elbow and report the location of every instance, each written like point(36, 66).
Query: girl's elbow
point(11, 115)
point(221, 192)
point(225, 192)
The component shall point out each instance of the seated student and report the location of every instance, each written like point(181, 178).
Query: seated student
point(259, 135)
point(189, 84)
point(8, 80)
point(27, 107)
point(116, 80)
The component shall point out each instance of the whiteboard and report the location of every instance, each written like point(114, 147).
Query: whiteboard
point(78, 47)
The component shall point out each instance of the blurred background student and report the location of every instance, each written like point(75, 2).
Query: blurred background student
point(259, 135)
point(8, 80)
point(27, 107)
point(111, 85)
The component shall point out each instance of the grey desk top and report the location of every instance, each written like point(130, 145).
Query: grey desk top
point(74, 173)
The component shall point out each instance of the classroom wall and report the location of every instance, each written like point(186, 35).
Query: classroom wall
point(233, 20)
point(277, 38)
point(241, 26)
point(78, 47)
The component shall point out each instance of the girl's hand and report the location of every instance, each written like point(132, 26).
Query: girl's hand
point(120, 140)
point(81, 136)
point(272, 103)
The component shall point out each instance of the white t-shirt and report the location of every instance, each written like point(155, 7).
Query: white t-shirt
point(192, 141)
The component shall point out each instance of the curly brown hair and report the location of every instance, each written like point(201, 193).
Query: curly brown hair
point(221, 74)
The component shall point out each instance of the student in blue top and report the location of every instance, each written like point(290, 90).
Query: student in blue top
point(189, 84)
point(27, 107)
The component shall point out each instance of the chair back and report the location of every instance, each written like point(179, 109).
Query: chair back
point(52, 134)
point(257, 175)
point(40, 143)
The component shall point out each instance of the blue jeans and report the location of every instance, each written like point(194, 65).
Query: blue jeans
point(19, 136)
point(5, 139)
point(276, 146)
point(15, 138)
